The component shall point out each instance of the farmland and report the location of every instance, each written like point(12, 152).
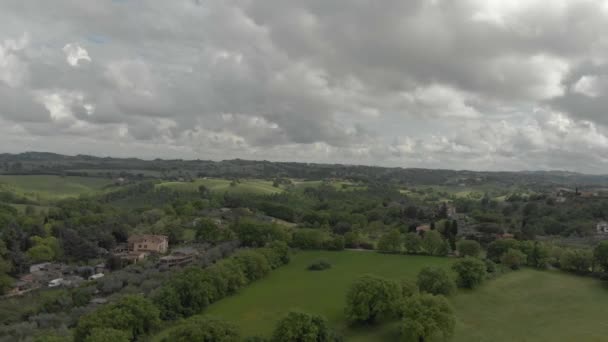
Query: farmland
point(46, 189)
point(249, 186)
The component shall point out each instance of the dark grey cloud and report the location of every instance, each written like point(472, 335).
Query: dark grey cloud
point(483, 84)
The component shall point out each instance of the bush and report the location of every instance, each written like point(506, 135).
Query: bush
point(470, 248)
point(435, 281)
point(470, 272)
point(319, 265)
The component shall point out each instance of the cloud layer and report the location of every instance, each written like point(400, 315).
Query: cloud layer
point(475, 84)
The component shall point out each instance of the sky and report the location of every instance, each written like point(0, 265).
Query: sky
point(468, 84)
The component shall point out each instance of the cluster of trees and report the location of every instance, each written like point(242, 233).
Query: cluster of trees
point(422, 315)
point(193, 289)
point(295, 326)
point(431, 243)
point(185, 294)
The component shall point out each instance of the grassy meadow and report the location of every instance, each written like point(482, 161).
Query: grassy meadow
point(45, 188)
point(526, 305)
point(250, 186)
point(256, 308)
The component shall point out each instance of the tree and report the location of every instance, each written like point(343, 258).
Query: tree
point(390, 242)
point(600, 255)
point(336, 243)
point(253, 264)
point(470, 272)
point(203, 329)
point(427, 317)
point(412, 243)
point(44, 249)
point(536, 252)
point(513, 258)
point(470, 248)
point(108, 335)
point(499, 247)
point(371, 298)
point(5, 280)
point(132, 314)
point(576, 260)
point(352, 240)
point(435, 281)
point(433, 244)
point(307, 239)
point(408, 288)
point(298, 326)
point(208, 231)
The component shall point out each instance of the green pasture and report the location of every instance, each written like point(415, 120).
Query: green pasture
point(526, 305)
point(45, 188)
point(250, 186)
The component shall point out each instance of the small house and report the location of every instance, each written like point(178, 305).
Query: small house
point(180, 257)
point(149, 243)
point(602, 227)
point(423, 228)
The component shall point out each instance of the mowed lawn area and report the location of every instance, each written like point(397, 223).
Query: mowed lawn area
point(525, 305)
point(49, 188)
point(251, 186)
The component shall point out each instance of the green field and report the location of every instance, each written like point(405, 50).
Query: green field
point(252, 186)
point(260, 305)
point(526, 305)
point(49, 188)
point(531, 305)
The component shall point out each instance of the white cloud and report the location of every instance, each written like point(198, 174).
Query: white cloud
point(75, 53)
point(13, 70)
point(587, 85)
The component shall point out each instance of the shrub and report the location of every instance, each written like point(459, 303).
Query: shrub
point(319, 265)
point(435, 281)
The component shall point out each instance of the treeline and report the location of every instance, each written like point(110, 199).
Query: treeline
point(186, 293)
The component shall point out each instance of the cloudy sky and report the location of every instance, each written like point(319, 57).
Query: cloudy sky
point(468, 84)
